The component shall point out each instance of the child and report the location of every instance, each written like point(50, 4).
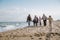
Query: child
point(50, 20)
point(29, 19)
point(39, 20)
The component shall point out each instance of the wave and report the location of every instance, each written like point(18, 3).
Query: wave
point(5, 26)
point(11, 26)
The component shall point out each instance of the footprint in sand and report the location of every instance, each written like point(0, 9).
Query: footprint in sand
point(57, 34)
point(32, 38)
point(37, 35)
point(40, 38)
point(52, 34)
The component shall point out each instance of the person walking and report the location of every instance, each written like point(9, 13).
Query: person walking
point(29, 19)
point(39, 20)
point(35, 20)
point(44, 18)
point(50, 20)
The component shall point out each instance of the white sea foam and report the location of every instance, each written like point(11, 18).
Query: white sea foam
point(5, 26)
point(9, 27)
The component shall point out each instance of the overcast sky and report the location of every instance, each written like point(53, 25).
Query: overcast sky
point(17, 10)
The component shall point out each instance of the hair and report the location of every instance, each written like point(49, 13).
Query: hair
point(49, 15)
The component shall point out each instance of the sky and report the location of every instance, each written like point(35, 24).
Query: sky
point(18, 10)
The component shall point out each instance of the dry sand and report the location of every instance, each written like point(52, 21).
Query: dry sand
point(33, 33)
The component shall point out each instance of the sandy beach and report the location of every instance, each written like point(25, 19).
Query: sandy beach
point(33, 33)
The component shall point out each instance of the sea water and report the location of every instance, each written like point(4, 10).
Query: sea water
point(5, 26)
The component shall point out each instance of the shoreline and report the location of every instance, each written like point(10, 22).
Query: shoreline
point(29, 33)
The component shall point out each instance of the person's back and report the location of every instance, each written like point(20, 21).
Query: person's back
point(35, 20)
point(29, 19)
point(44, 18)
point(50, 20)
point(39, 20)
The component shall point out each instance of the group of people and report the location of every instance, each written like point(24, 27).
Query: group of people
point(37, 20)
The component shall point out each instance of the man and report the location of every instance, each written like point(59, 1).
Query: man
point(29, 19)
point(44, 18)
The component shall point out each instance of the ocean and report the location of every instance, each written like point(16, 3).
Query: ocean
point(5, 26)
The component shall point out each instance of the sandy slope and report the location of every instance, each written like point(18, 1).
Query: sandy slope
point(33, 33)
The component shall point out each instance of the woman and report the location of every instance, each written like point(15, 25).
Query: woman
point(35, 20)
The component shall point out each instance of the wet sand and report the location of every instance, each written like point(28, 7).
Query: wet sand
point(33, 33)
